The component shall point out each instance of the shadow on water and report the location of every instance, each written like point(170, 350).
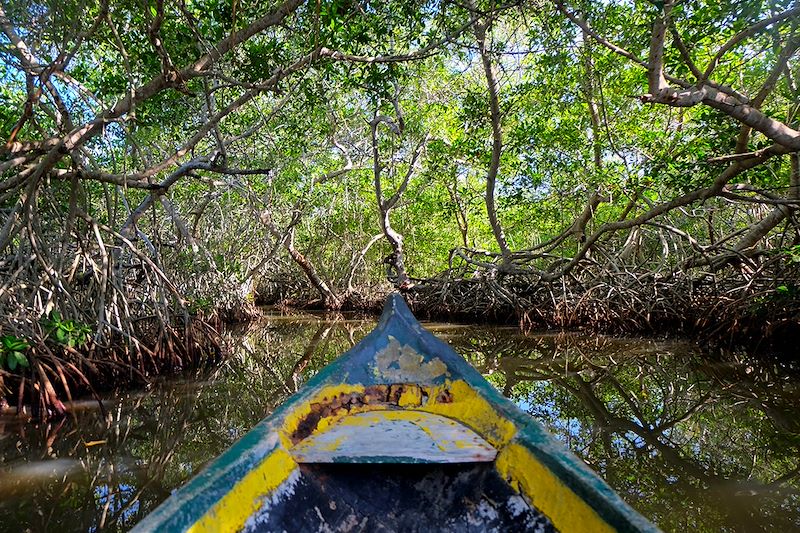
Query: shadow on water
point(692, 444)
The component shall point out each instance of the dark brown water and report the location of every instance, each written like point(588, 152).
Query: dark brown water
point(693, 445)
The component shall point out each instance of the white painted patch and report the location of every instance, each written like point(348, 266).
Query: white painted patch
point(394, 436)
point(487, 512)
point(323, 526)
point(402, 364)
point(517, 505)
point(284, 491)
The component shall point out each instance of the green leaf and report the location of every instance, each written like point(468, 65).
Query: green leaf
point(22, 360)
point(11, 360)
point(12, 343)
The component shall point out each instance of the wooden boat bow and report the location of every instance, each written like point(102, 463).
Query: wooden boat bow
point(400, 409)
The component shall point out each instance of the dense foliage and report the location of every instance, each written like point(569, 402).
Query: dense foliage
point(163, 157)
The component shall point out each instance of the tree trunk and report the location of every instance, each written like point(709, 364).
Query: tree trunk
point(497, 143)
point(329, 299)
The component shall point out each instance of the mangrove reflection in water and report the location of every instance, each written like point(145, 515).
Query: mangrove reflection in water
point(690, 444)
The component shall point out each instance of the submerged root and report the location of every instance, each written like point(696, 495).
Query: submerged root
point(750, 313)
point(56, 373)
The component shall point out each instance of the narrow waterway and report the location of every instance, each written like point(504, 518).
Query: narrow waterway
point(693, 445)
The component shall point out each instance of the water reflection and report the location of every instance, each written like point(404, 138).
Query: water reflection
point(709, 447)
point(691, 444)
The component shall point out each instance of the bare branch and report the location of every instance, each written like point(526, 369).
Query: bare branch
point(597, 37)
point(731, 106)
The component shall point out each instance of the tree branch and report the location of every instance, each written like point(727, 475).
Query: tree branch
point(744, 34)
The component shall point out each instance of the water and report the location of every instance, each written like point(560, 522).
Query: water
point(692, 445)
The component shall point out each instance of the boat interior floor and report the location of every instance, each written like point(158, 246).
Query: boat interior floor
point(397, 497)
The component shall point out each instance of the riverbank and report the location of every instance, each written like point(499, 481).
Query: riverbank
point(762, 318)
point(56, 370)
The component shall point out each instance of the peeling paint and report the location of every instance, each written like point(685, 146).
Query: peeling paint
point(402, 363)
point(547, 492)
point(517, 505)
point(330, 405)
point(284, 491)
point(391, 497)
